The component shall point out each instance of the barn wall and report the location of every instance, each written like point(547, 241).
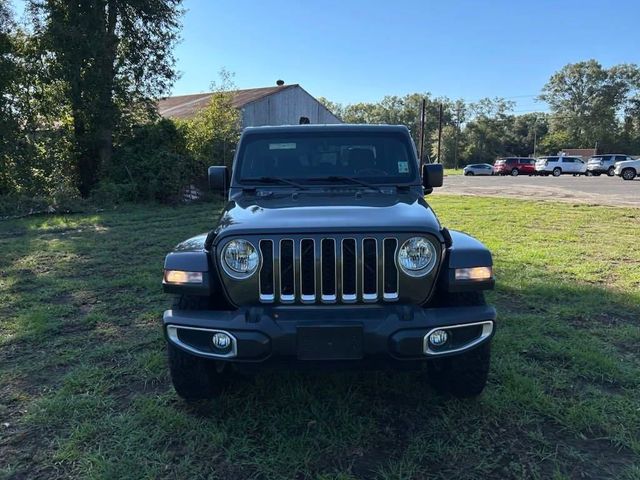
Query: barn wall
point(286, 108)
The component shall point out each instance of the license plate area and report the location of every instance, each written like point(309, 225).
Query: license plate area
point(330, 342)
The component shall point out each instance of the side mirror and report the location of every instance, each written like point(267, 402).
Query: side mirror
point(219, 179)
point(432, 176)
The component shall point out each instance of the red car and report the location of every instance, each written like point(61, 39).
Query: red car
point(515, 166)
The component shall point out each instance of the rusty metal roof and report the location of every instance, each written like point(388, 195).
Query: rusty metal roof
point(186, 106)
point(579, 152)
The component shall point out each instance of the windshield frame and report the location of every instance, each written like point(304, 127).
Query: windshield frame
point(313, 181)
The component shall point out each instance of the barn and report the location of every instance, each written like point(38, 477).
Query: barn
point(278, 105)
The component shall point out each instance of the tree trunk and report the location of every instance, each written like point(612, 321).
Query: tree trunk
point(105, 124)
point(82, 151)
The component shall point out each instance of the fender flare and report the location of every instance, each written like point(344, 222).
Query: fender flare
point(464, 251)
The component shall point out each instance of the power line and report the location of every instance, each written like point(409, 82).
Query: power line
point(529, 95)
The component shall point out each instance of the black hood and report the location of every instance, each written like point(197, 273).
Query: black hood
point(308, 212)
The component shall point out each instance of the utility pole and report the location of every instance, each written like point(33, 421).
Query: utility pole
point(535, 135)
point(455, 150)
point(439, 133)
point(424, 103)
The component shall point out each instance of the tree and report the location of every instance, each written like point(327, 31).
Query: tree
point(8, 74)
point(396, 110)
point(524, 133)
point(586, 99)
point(115, 58)
point(447, 147)
point(488, 133)
point(213, 134)
point(335, 108)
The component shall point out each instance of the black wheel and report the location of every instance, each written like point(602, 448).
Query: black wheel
point(611, 172)
point(469, 174)
point(628, 174)
point(589, 173)
point(515, 172)
point(193, 377)
point(464, 375)
point(557, 172)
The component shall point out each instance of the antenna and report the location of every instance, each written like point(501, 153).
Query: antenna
point(439, 133)
point(424, 104)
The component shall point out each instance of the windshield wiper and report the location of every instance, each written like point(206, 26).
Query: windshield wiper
point(336, 178)
point(274, 180)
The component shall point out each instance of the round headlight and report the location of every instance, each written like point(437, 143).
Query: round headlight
point(417, 256)
point(241, 257)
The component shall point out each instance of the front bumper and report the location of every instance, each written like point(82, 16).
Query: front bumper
point(396, 332)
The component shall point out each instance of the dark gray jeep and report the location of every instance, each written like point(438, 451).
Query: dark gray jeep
point(327, 255)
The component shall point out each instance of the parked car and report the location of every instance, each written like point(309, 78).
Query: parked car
point(628, 169)
point(326, 254)
point(599, 164)
point(478, 169)
point(515, 166)
point(557, 166)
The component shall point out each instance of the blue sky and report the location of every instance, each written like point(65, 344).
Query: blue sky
point(360, 50)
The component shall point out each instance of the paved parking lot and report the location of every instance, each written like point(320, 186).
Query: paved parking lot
point(601, 190)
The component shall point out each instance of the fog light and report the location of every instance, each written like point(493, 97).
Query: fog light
point(221, 341)
point(438, 338)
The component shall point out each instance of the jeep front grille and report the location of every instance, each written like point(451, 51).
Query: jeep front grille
point(328, 270)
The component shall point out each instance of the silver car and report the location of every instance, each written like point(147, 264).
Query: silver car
point(478, 169)
point(599, 164)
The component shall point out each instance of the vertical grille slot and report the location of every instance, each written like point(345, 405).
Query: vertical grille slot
point(349, 268)
point(328, 269)
point(315, 269)
point(390, 270)
point(267, 292)
point(287, 279)
point(307, 271)
point(369, 269)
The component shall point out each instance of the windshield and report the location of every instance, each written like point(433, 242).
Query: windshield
point(375, 158)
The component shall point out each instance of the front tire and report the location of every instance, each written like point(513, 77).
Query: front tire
point(463, 375)
point(557, 172)
point(469, 174)
point(611, 172)
point(515, 172)
point(193, 377)
point(628, 174)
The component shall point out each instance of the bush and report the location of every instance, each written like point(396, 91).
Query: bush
point(108, 193)
point(211, 136)
point(152, 164)
point(63, 199)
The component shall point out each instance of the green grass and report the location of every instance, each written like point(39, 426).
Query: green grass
point(453, 171)
point(84, 391)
